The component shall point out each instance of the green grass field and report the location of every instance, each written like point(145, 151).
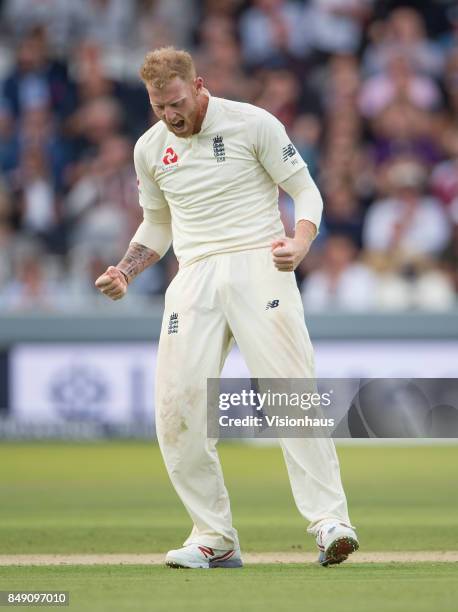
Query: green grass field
point(421, 587)
point(114, 498)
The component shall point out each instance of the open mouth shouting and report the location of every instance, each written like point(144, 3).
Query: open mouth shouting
point(178, 126)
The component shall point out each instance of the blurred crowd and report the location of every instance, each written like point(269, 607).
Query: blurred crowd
point(367, 89)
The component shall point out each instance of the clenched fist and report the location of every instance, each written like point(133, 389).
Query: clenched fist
point(112, 283)
point(287, 253)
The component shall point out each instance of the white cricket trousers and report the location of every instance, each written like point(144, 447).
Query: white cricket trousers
point(208, 305)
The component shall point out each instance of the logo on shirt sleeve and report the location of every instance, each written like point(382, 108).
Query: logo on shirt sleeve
point(218, 148)
point(170, 157)
point(288, 151)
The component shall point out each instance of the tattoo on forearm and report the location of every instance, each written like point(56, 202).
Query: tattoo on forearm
point(137, 258)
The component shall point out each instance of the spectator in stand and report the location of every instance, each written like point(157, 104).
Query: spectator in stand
point(305, 134)
point(280, 95)
point(62, 20)
point(398, 82)
point(109, 22)
point(36, 197)
point(38, 128)
point(336, 26)
point(343, 213)
point(403, 34)
point(35, 178)
point(401, 129)
point(37, 79)
point(424, 283)
point(93, 82)
point(409, 223)
point(444, 180)
point(445, 175)
point(8, 139)
point(219, 58)
point(340, 88)
point(341, 281)
point(31, 287)
point(102, 207)
point(89, 72)
point(272, 33)
point(89, 128)
point(177, 18)
point(340, 161)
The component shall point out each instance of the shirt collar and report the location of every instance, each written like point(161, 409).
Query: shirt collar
point(211, 113)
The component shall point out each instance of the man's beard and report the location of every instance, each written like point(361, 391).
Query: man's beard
point(188, 126)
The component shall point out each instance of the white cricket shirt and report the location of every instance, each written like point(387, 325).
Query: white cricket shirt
point(219, 186)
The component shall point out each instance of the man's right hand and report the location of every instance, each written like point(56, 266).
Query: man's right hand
point(112, 283)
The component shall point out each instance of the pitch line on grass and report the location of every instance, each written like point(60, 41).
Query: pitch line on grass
point(450, 556)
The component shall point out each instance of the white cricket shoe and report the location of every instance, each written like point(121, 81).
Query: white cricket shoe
point(199, 556)
point(335, 541)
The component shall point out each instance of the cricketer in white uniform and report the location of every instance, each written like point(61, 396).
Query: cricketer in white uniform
point(208, 176)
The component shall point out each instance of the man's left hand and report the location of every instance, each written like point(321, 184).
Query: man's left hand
point(287, 253)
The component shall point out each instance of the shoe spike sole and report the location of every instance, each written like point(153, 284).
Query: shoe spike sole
point(338, 551)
